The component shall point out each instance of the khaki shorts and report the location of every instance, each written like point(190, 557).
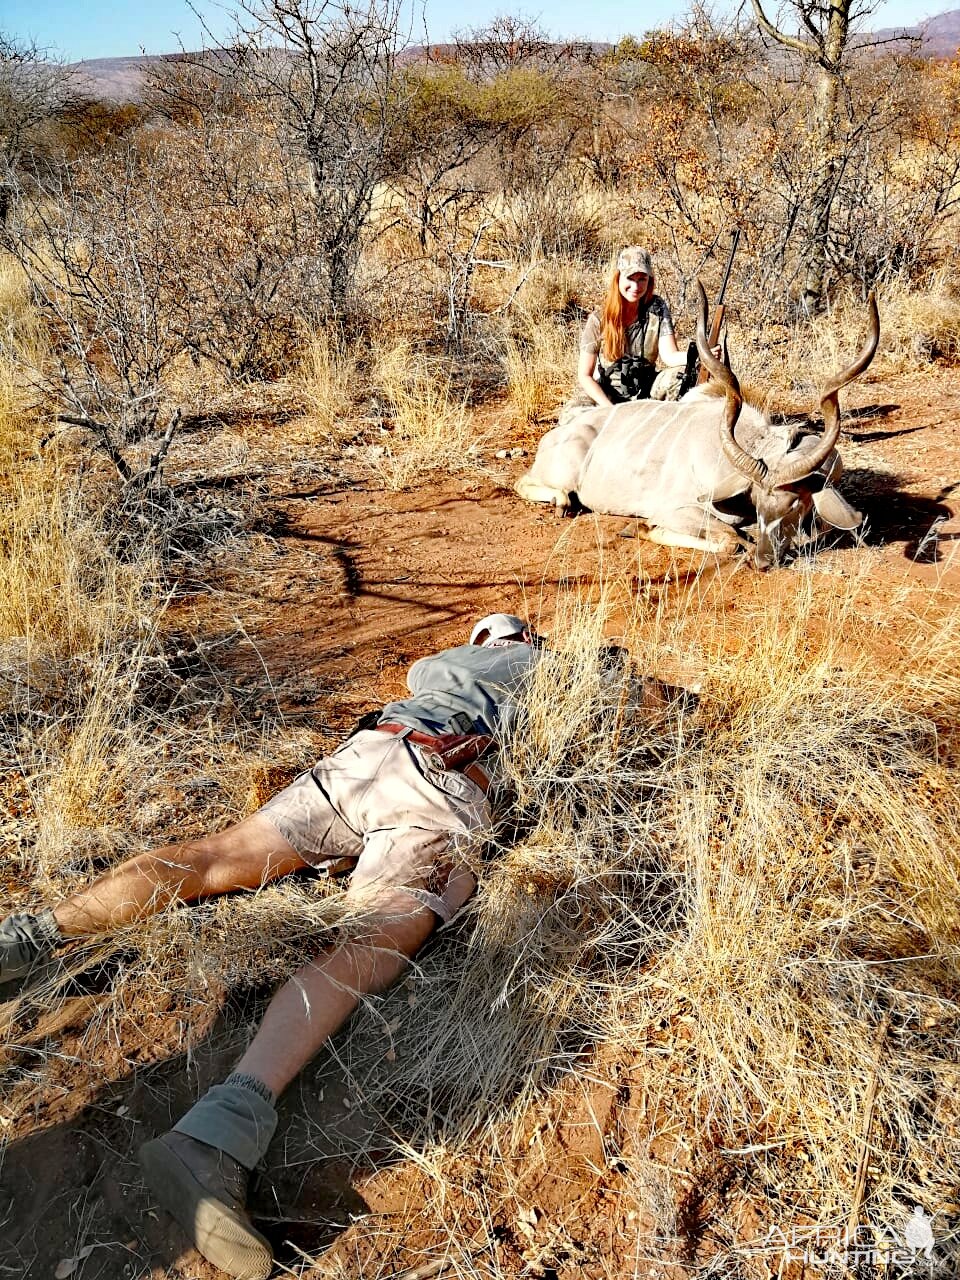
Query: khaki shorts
point(373, 809)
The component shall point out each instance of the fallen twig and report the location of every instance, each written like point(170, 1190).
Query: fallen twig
point(860, 1183)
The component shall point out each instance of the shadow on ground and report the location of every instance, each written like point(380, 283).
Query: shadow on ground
point(73, 1190)
point(893, 514)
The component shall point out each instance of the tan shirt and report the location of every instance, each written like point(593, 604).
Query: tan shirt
point(619, 377)
point(642, 337)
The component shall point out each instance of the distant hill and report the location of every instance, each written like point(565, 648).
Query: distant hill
point(121, 79)
point(117, 79)
point(940, 35)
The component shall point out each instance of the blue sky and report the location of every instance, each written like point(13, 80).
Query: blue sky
point(112, 28)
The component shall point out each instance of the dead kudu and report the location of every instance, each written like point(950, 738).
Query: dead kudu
point(708, 471)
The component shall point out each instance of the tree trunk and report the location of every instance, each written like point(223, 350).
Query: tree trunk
point(823, 44)
point(826, 138)
point(827, 141)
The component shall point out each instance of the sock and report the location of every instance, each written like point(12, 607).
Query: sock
point(241, 1080)
point(236, 1118)
point(48, 929)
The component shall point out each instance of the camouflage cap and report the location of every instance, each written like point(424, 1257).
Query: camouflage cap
point(634, 259)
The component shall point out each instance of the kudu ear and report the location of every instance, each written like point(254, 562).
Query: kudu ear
point(834, 510)
point(730, 487)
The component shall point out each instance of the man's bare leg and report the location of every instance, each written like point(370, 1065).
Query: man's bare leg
point(199, 1170)
point(321, 996)
point(245, 856)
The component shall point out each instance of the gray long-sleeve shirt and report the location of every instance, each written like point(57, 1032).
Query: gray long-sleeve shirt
point(469, 689)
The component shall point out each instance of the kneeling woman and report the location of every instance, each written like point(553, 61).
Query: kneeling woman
point(619, 348)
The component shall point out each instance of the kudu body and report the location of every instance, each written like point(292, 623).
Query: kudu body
point(699, 472)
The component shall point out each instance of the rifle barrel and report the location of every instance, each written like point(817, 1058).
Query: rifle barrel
point(726, 274)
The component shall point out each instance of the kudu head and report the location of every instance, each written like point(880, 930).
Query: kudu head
point(783, 490)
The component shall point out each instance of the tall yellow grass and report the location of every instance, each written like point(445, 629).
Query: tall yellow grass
point(432, 429)
point(76, 627)
point(540, 358)
point(917, 325)
point(920, 324)
point(326, 379)
point(82, 720)
point(22, 345)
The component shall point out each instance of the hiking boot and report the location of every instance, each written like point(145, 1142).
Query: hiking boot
point(206, 1191)
point(26, 943)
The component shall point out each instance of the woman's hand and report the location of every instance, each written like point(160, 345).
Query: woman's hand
point(586, 378)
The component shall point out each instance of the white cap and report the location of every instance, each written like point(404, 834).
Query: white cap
point(497, 626)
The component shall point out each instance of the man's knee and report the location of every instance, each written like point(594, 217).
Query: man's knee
point(189, 866)
point(435, 896)
point(244, 856)
point(387, 918)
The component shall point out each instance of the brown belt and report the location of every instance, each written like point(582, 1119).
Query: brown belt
point(456, 752)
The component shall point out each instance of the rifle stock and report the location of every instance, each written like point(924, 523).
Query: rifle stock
point(719, 312)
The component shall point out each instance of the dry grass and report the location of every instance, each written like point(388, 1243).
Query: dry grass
point(95, 727)
point(539, 354)
point(21, 344)
point(325, 379)
point(80, 645)
point(561, 287)
point(16, 315)
point(788, 364)
point(920, 325)
point(62, 592)
point(564, 217)
point(432, 429)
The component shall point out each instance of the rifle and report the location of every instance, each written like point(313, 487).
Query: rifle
point(718, 313)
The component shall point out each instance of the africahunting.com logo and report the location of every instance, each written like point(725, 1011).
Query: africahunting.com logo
point(911, 1248)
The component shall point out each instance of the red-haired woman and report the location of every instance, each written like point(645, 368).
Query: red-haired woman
point(620, 346)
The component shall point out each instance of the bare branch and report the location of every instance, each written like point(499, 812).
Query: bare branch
point(790, 42)
point(101, 432)
point(152, 470)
